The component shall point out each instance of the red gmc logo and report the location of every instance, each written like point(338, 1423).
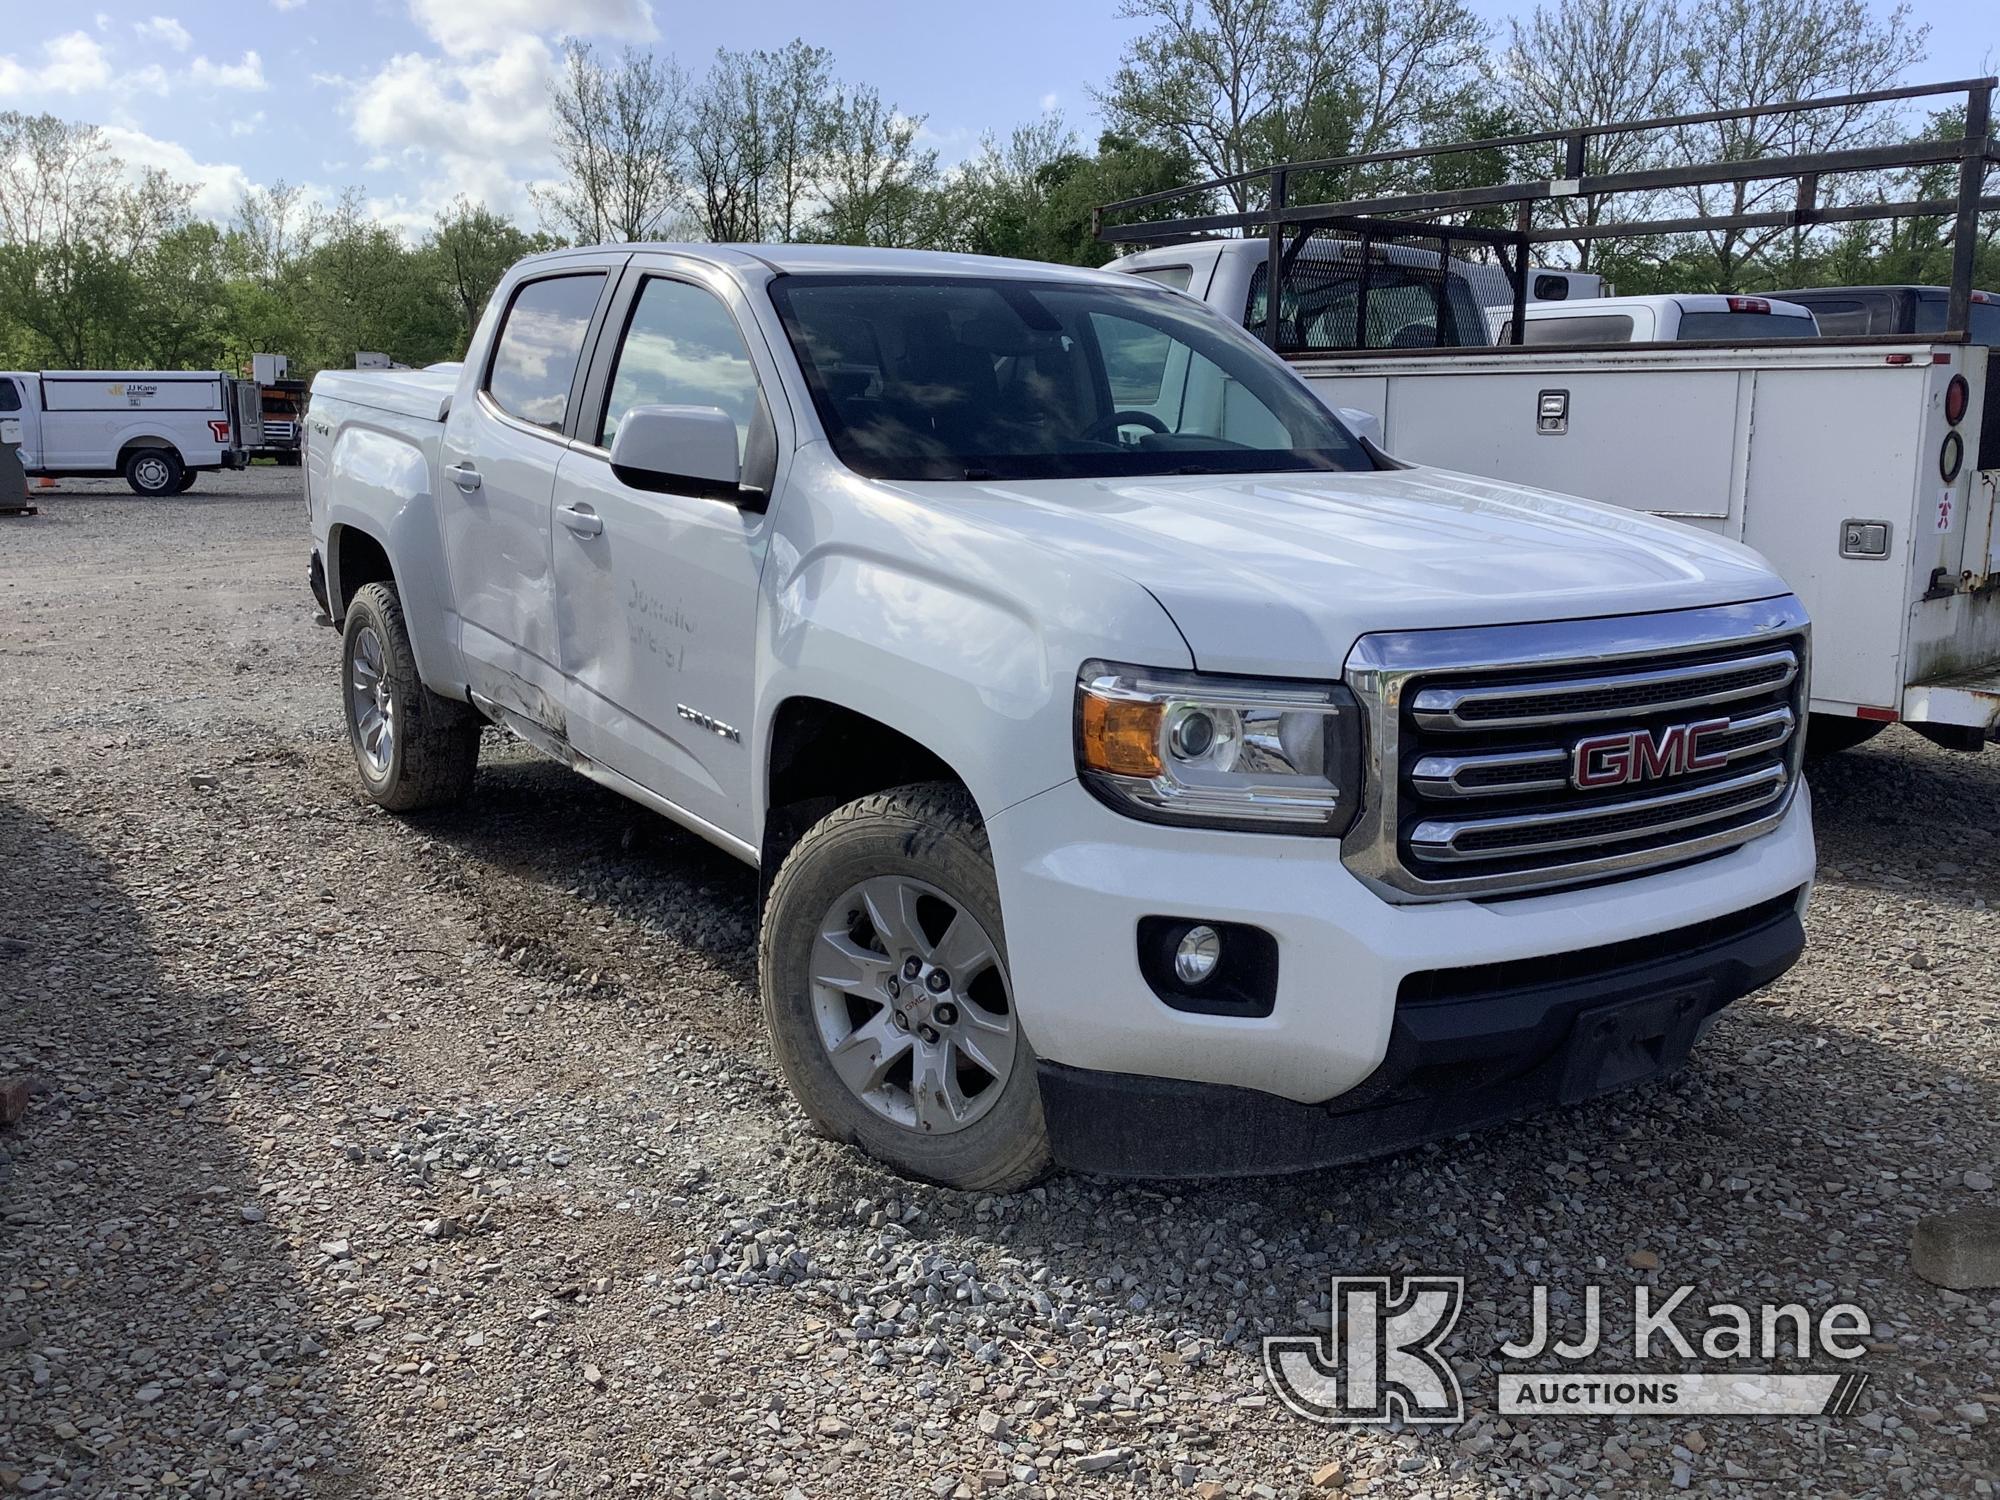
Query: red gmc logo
point(1635, 755)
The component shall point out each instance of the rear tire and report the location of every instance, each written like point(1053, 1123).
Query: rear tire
point(412, 748)
point(883, 969)
point(1829, 734)
point(154, 471)
point(187, 481)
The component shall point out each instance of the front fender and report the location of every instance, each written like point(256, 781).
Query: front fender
point(962, 635)
point(380, 484)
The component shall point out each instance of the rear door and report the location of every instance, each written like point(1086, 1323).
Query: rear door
point(657, 591)
point(16, 407)
point(498, 460)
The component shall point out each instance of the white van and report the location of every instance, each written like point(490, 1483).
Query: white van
point(158, 428)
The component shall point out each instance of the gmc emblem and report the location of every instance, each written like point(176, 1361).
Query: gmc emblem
point(1635, 755)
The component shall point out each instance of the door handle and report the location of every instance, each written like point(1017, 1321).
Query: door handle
point(464, 476)
point(581, 519)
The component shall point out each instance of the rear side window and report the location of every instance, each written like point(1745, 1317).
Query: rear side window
point(1604, 328)
point(1409, 306)
point(10, 396)
point(682, 348)
point(1176, 278)
point(1840, 316)
point(541, 342)
point(1135, 359)
point(1740, 328)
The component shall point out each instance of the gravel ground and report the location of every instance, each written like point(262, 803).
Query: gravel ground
point(444, 1157)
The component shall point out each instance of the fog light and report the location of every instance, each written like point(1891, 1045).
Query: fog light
point(1199, 952)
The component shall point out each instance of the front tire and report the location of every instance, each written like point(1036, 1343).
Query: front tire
point(883, 968)
point(154, 471)
point(412, 748)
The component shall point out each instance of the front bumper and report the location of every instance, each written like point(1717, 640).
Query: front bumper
point(1468, 1047)
point(1076, 878)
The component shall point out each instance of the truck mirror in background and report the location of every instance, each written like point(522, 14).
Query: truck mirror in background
point(1363, 424)
point(686, 449)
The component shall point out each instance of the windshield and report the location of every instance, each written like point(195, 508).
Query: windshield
point(949, 377)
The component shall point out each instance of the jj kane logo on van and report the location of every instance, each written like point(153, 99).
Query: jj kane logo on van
point(1381, 1358)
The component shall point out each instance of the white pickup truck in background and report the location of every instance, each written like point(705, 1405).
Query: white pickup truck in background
point(159, 429)
point(1865, 469)
point(1173, 791)
point(1691, 317)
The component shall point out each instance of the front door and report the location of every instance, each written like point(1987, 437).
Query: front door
point(657, 592)
point(499, 457)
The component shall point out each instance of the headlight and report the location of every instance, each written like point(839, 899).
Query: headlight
point(1219, 752)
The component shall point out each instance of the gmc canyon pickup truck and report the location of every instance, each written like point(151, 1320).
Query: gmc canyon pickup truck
point(1172, 792)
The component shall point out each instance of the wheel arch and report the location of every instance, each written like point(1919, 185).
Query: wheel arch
point(133, 445)
point(820, 755)
point(355, 557)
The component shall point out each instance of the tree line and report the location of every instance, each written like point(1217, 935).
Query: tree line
point(102, 269)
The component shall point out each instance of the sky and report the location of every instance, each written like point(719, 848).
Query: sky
point(416, 101)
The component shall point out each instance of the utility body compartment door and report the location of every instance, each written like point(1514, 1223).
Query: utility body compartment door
point(656, 591)
point(497, 472)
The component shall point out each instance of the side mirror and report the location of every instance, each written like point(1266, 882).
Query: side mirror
point(686, 449)
point(1363, 424)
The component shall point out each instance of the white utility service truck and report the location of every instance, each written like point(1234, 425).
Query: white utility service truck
point(1865, 467)
point(1167, 790)
point(159, 429)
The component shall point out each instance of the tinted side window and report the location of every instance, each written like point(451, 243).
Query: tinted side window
point(10, 396)
point(682, 348)
point(540, 343)
point(1838, 316)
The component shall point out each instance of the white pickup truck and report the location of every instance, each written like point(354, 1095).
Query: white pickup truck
point(1168, 793)
point(1866, 468)
point(158, 429)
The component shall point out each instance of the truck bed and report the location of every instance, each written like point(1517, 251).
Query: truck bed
point(424, 394)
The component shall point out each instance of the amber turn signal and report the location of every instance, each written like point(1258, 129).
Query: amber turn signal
point(1121, 737)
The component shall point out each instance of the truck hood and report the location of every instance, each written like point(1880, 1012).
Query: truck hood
point(1281, 573)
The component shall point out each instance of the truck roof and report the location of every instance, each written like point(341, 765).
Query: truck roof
point(848, 260)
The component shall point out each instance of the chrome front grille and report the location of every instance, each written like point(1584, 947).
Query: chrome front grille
point(1518, 758)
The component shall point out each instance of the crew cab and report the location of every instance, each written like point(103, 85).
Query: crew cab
point(1685, 317)
point(1164, 791)
point(159, 429)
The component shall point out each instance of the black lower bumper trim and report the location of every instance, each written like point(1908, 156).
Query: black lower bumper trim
point(1470, 1047)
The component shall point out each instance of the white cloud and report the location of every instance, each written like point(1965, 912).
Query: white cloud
point(287, 4)
point(478, 126)
point(248, 124)
point(71, 64)
point(165, 30)
point(244, 76)
point(1049, 103)
point(205, 74)
point(494, 25)
point(217, 185)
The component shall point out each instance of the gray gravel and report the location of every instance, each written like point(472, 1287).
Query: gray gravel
point(444, 1157)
